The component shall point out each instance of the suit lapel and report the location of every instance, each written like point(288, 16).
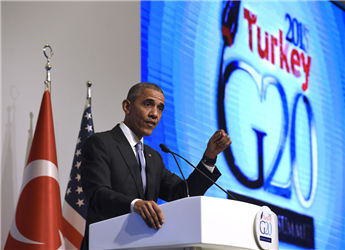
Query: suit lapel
point(150, 173)
point(129, 157)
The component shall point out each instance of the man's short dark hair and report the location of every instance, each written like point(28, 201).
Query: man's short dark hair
point(135, 90)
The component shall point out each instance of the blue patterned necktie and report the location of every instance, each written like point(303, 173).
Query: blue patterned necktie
point(141, 162)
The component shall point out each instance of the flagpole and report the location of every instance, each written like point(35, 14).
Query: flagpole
point(88, 93)
point(48, 66)
point(38, 223)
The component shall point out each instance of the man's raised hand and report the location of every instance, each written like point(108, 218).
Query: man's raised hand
point(217, 144)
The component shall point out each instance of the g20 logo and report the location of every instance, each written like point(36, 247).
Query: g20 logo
point(263, 83)
point(266, 228)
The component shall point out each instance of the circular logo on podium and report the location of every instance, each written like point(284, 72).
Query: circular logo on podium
point(264, 228)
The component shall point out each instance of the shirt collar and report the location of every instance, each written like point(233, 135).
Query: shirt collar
point(131, 137)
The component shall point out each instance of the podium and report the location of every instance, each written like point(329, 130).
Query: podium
point(192, 223)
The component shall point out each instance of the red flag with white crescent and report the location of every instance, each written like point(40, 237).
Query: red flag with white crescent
point(37, 223)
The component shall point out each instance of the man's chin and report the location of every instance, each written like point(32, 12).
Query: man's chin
point(147, 132)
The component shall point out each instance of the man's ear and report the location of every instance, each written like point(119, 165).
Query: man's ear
point(126, 106)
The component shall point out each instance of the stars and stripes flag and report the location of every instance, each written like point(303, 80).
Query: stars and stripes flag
point(74, 207)
point(38, 218)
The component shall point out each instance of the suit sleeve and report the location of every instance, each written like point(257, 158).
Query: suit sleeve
point(102, 200)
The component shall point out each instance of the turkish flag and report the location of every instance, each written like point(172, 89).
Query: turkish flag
point(37, 223)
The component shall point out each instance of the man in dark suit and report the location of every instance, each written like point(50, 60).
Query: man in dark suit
point(121, 175)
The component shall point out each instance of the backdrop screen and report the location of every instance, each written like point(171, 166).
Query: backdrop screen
point(272, 75)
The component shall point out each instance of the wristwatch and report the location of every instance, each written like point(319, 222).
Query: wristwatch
point(209, 161)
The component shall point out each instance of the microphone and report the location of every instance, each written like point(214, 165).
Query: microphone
point(166, 150)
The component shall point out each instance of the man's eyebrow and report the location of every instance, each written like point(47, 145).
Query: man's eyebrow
point(152, 101)
point(149, 100)
point(161, 104)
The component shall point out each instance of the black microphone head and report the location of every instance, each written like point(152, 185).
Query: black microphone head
point(164, 148)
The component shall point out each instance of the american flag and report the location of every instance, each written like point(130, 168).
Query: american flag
point(74, 207)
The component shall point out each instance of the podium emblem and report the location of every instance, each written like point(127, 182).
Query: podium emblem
point(264, 228)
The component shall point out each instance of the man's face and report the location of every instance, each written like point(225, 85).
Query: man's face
point(143, 115)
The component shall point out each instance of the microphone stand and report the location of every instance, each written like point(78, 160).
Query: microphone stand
point(166, 150)
point(182, 175)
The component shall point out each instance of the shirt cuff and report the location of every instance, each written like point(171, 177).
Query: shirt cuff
point(206, 166)
point(132, 204)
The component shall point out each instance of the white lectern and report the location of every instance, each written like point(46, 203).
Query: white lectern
point(195, 222)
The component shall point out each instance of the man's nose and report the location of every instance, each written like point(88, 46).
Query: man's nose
point(154, 112)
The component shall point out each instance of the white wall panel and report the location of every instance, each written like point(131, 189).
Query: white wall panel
point(92, 41)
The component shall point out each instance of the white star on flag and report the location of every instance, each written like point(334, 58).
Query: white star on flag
point(78, 164)
point(78, 141)
point(78, 152)
point(78, 177)
point(68, 191)
point(88, 116)
point(88, 127)
point(80, 202)
point(79, 190)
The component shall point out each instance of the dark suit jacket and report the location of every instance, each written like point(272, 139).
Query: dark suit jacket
point(111, 177)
